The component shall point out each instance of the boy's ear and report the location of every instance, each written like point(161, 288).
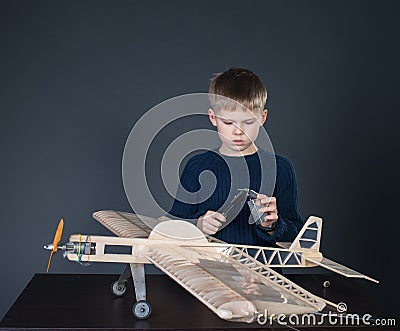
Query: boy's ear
point(211, 116)
point(264, 114)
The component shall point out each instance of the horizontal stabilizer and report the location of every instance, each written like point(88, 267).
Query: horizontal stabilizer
point(338, 268)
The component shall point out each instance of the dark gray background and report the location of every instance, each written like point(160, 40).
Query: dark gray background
point(76, 75)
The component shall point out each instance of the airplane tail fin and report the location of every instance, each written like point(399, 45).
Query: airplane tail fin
point(309, 236)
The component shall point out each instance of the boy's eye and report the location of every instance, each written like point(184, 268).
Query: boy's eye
point(227, 123)
point(251, 122)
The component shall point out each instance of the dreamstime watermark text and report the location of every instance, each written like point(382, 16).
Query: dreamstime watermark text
point(340, 318)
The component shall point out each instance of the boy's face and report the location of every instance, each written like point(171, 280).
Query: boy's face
point(237, 130)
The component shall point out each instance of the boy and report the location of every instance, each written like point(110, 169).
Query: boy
point(238, 128)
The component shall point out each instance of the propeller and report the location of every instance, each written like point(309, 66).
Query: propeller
point(54, 247)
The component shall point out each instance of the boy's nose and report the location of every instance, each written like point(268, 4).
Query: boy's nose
point(237, 131)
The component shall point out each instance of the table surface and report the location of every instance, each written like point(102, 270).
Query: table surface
point(68, 301)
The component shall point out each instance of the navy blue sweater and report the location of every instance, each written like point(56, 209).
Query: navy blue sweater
point(212, 193)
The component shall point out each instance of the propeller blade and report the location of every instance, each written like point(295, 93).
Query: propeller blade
point(58, 235)
point(56, 241)
point(48, 263)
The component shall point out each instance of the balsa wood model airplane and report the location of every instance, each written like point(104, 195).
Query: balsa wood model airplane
point(235, 281)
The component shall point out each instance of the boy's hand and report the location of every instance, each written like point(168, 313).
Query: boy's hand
point(268, 207)
point(210, 222)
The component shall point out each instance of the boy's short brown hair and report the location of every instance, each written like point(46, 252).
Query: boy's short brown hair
point(241, 85)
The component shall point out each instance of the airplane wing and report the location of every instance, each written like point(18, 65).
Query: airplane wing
point(127, 225)
point(235, 287)
point(230, 289)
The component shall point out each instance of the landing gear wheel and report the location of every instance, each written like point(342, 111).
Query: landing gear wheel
point(141, 309)
point(118, 289)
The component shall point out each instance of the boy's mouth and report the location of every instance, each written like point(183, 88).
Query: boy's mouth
point(238, 142)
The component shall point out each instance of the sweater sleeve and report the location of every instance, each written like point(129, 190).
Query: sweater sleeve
point(290, 221)
point(185, 206)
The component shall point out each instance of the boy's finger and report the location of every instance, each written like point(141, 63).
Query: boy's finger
point(210, 229)
point(214, 222)
point(269, 200)
point(219, 217)
point(267, 209)
point(209, 213)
